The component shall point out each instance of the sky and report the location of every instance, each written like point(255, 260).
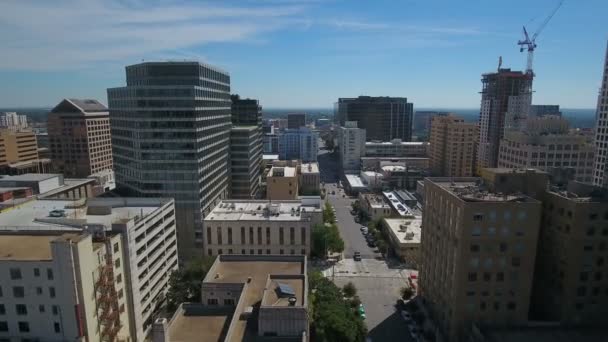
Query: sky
point(303, 53)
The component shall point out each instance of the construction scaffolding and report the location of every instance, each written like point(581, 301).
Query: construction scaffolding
point(106, 297)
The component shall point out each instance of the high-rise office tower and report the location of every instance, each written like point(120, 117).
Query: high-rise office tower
point(478, 248)
point(246, 147)
point(296, 120)
point(79, 138)
point(505, 97)
point(452, 146)
point(301, 143)
point(382, 118)
point(600, 173)
point(171, 138)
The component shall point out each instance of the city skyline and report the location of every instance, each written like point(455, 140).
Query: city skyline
point(306, 51)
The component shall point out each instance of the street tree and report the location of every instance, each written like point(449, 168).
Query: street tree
point(349, 290)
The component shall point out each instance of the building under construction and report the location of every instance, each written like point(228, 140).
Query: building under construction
point(505, 94)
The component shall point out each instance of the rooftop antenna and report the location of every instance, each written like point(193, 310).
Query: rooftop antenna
point(499, 62)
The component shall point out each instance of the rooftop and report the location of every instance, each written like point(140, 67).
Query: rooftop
point(396, 142)
point(270, 156)
point(261, 210)
point(30, 177)
point(282, 171)
point(471, 189)
point(375, 201)
point(355, 181)
point(405, 230)
point(79, 106)
point(30, 247)
point(68, 215)
point(395, 201)
point(310, 168)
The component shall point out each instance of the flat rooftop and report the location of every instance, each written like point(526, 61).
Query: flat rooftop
point(355, 181)
point(30, 247)
point(405, 230)
point(30, 177)
point(397, 204)
point(260, 210)
point(73, 215)
point(309, 168)
point(471, 189)
point(393, 143)
point(375, 201)
point(270, 156)
point(199, 323)
point(282, 171)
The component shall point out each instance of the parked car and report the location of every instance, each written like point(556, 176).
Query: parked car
point(406, 316)
point(357, 256)
point(363, 228)
point(371, 244)
point(356, 219)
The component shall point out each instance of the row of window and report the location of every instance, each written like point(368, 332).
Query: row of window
point(24, 327)
point(252, 237)
point(19, 291)
point(15, 273)
point(252, 251)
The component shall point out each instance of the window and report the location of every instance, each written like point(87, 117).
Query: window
point(24, 327)
point(260, 251)
point(210, 251)
point(38, 290)
point(251, 235)
point(506, 215)
point(511, 306)
point(472, 276)
point(18, 292)
point(219, 235)
point(116, 247)
point(516, 261)
point(119, 278)
point(212, 301)
point(474, 248)
point(251, 251)
point(15, 273)
point(281, 252)
point(3, 326)
point(229, 236)
point(477, 217)
point(243, 236)
point(21, 309)
point(36, 272)
point(220, 251)
point(487, 276)
point(41, 308)
point(281, 236)
point(2, 309)
point(49, 273)
point(229, 301)
point(491, 231)
point(303, 235)
point(482, 306)
point(581, 291)
point(268, 251)
point(500, 276)
point(52, 292)
point(268, 235)
point(259, 235)
point(503, 247)
point(57, 327)
point(230, 251)
point(55, 310)
point(209, 235)
point(292, 236)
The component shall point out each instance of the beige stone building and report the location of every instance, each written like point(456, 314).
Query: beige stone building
point(79, 138)
point(310, 179)
point(547, 142)
point(62, 286)
point(282, 183)
point(452, 146)
point(374, 206)
point(571, 282)
point(262, 227)
point(19, 152)
point(275, 285)
point(478, 250)
point(404, 234)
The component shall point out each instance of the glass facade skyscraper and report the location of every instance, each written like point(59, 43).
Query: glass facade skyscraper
point(170, 138)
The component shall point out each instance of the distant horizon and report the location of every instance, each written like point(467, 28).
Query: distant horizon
point(316, 108)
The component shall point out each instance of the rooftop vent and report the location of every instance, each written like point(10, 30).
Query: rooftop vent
point(292, 301)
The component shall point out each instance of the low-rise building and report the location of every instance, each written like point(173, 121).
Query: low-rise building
point(146, 228)
point(282, 183)
point(404, 237)
point(245, 298)
point(310, 179)
point(51, 185)
point(396, 148)
point(374, 206)
point(19, 152)
point(262, 227)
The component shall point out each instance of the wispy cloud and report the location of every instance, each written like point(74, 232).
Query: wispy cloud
point(50, 35)
point(370, 26)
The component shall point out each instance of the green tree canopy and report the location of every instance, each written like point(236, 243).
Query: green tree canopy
point(185, 283)
point(349, 290)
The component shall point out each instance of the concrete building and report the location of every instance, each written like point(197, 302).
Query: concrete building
point(246, 112)
point(383, 118)
point(544, 110)
point(570, 281)
point(13, 121)
point(368, 163)
point(171, 138)
point(310, 179)
point(452, 146)
point(478, 251)
point(282, 183)
point(400, 176)
point(301, 143)
point(246, 161)
point(404, 238)
point(422, 122)
point(61, 286)
point(351, 142)
point(19, 153)
point(262, 227)
point(600, 173)
point(147, 255)
point(50, 185)
point(276, 285)
point(396, 148)
point(79, 138)
point(503, 92)
point(296, 120)
point(374, 206)
point(548, 143)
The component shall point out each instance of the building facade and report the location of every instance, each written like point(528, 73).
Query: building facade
point(452, 146)
point(404, 237)
point(171, 138)
point(12, 120)
point(19, 153)
point(282, 183)
point(310, 179)
point(246, 161)
point(600, 173)
point(296, 120)
point(374, 206)
point(544, 110)
point(301, 143)
point(262, 227)
point(478, 251)
point(246, 112)
point(383, 118)
point(396, 148)
point(422, 122)
point(351, 142)
point(548, 143)
point(79, 138)
point(505, 94)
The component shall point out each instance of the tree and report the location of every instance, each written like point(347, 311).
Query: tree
point(354, 302)
point(382, 246)
point(349, 290)
point(185, 283)
point(328, 214)
point(406, 292)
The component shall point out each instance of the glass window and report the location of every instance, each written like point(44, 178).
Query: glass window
point(15, 273)
point(21, 309)
point(49, 273)
point(3, 326)
point(24, 327)
point(18, 292)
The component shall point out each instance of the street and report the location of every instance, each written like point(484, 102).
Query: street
point(377, 283)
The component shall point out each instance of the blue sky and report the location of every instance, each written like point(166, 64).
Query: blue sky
point(303, 53)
